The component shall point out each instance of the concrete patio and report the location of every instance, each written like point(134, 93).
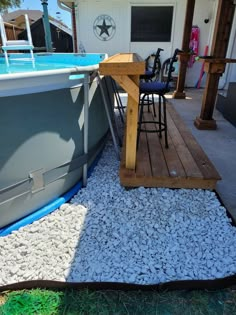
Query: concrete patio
point(219, 145)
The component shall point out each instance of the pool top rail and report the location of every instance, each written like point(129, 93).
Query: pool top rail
point(52, 71)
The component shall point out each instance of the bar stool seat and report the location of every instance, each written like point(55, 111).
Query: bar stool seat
point(151, 87)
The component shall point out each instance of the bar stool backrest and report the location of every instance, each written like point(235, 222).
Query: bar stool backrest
point(171, 68)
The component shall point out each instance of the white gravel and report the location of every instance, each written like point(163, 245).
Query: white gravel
point(107, 233)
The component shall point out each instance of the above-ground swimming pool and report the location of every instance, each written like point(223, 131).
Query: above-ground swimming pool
point(51, 71)
point(45, 144)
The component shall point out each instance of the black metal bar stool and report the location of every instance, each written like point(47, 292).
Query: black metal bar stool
point(156, 68)
point(151, 75)
point(147, 90)
point(119, 105)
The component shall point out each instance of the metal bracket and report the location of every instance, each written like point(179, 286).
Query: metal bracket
point(38, 181)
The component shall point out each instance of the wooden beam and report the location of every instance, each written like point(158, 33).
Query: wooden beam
point(122, 64)
point(128, 85)
point(184, 58)
point(188, 25)
point(126, 69)
point(223, 24)
point(183, 65)
point(131, 131)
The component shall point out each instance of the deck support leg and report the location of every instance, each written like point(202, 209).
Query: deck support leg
point(179, 92)
point(130, 84)
point(214, 71)
point(206, 121)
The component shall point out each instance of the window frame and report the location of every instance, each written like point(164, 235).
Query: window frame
point(143, 5)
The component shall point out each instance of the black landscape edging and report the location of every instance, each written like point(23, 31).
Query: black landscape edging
point(215, 284)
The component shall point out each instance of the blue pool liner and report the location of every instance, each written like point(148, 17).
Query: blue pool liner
point(52, 206)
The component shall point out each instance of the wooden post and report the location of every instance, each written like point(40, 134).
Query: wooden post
point(126, 69)
point(184, 57)
point(183, 65)
point(131, 132)
point(224, 20)
point(214, 71)
point(75, 44)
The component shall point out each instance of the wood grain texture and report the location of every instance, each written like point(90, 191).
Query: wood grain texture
point(128, 84)
point(125, 68)
point(123, 64)
point(132, 123)
point(183, 165)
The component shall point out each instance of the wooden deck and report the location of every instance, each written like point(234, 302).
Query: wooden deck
point(183, 165)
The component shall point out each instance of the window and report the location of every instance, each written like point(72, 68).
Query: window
point(151, 24)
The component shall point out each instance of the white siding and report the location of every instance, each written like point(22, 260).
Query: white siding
point(88, 11)
point(120, 11)
point(204, 9)
point(230, 73)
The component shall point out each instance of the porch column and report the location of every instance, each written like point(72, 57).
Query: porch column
point(184, 57)
point(224, 20)
point(75, 45)
point(46, 24)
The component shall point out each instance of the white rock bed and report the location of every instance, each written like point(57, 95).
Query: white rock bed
point(107, 233)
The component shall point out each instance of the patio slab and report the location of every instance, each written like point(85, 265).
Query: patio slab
point(219, 145)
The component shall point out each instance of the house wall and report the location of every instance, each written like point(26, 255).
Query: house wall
point(88, 11)
point(120, 10)
point(204, 9)
point(230, 73)
point(232, 67)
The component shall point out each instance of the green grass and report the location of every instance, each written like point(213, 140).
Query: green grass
point(73, 302)
point(37, 301)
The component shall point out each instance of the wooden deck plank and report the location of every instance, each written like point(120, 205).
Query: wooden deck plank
point(168, 166)
point(173, 161)
point(131, 180)
point(207, 168)
point(157, 159)
point(188, 162)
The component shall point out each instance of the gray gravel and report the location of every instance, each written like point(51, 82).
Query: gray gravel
point(107, 233)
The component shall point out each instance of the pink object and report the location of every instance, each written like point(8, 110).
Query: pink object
point(202, 69)
point(194, 44)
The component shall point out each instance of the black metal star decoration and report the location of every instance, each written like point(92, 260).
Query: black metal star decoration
point(104, 28)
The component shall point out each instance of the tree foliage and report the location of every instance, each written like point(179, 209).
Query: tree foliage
point(5, 4)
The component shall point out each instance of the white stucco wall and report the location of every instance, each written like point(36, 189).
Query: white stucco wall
point(120, 11)
point(230, 73)
point(204, 9)
point(88, 11)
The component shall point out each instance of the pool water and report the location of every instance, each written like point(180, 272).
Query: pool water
point(47, 61)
